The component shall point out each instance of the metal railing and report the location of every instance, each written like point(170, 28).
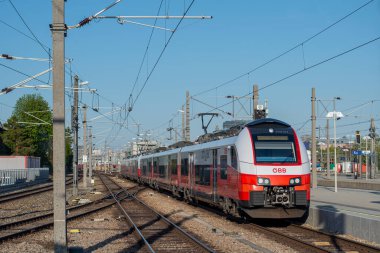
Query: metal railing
point(16, 176)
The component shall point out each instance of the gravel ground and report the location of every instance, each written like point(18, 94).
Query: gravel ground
point(41, 203)
point(106, 230)
point(222, 234)
point(26, 207)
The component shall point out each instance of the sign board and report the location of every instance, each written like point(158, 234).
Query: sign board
point(361, 152)
point(84, 159)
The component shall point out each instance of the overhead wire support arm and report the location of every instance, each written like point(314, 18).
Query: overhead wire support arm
point(11, 57)
point(89, 19)
point(14, 86)
point(154, 17)
point(125, 19)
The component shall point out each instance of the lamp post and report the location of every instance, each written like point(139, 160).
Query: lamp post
point(335, 115)
point(366, 138)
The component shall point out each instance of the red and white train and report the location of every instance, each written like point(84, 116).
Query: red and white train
point(262, 172)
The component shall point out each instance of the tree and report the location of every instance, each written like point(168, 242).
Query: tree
point(4, 149)
point(29, 129)
point(68, 150)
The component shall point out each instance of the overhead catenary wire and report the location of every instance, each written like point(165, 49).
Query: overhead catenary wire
point(146, 50)
point(308, 68)
point(157, 60)
point(162, 52)
point(286, 51)
point(30, 30)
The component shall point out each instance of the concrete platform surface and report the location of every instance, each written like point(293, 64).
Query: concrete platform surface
point(348, 181)
point(354, 212)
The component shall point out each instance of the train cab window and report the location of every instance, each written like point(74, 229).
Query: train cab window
point(202, 174)
point(233, 158)
point(184, 167)
point(275, 152)
point(223, 167)
point(274, 144)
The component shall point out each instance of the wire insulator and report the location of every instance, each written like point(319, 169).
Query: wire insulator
point(6, 56)
point(85, 21)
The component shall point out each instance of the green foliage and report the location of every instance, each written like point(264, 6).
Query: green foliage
point(68, 150)
point(29, 129)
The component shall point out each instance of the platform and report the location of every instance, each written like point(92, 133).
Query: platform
point(354, 212)
point(348, 181)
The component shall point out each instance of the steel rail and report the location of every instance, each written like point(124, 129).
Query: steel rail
point(167, 221)
point(28, 192)
point(126, 214)
point(49, 215)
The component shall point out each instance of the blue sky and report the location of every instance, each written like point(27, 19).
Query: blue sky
point(201, 55)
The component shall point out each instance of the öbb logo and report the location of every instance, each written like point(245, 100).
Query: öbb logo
point(279, 170)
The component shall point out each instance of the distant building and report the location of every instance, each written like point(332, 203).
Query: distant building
point(342, 142)
point(143, 146)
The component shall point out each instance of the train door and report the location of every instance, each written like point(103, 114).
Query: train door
point(215, 173)
point(191, 171)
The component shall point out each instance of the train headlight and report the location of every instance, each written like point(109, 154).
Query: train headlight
point(263, 181)
point(295, 181)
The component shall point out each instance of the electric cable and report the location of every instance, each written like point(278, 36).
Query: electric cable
point(285, 52)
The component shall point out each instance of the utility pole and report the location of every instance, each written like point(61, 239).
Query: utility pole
point(183, 124)
point(85, 146)
point(319, 141)
point(90, 155)
point(255, 98)
point(313, 140)
point(58, 29)
point(328, 148)
point(75, 141)
point(187, 116)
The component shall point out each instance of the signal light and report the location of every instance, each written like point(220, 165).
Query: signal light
point(357, 134)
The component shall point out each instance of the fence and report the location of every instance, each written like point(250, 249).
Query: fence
point(16, 176)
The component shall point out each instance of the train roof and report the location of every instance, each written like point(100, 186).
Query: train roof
point(266, 121)
point(211, 144)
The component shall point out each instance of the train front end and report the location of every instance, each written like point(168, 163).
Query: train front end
point(274, 171)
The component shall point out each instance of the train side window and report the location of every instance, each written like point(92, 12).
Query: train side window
point(163, 166)
point(233, 158)
point(202, 174)
point(223, 167)
point(173, 165)
point(144, 170)
point(155, 165)
point(184, 166)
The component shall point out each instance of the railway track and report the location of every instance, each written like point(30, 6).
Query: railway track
point(24, 226)
point(154, 232)
point(27, 225)
point(298, 237)
point(310, 240)
point(28, 192)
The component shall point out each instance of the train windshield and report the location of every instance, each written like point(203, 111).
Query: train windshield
point(274, 145)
